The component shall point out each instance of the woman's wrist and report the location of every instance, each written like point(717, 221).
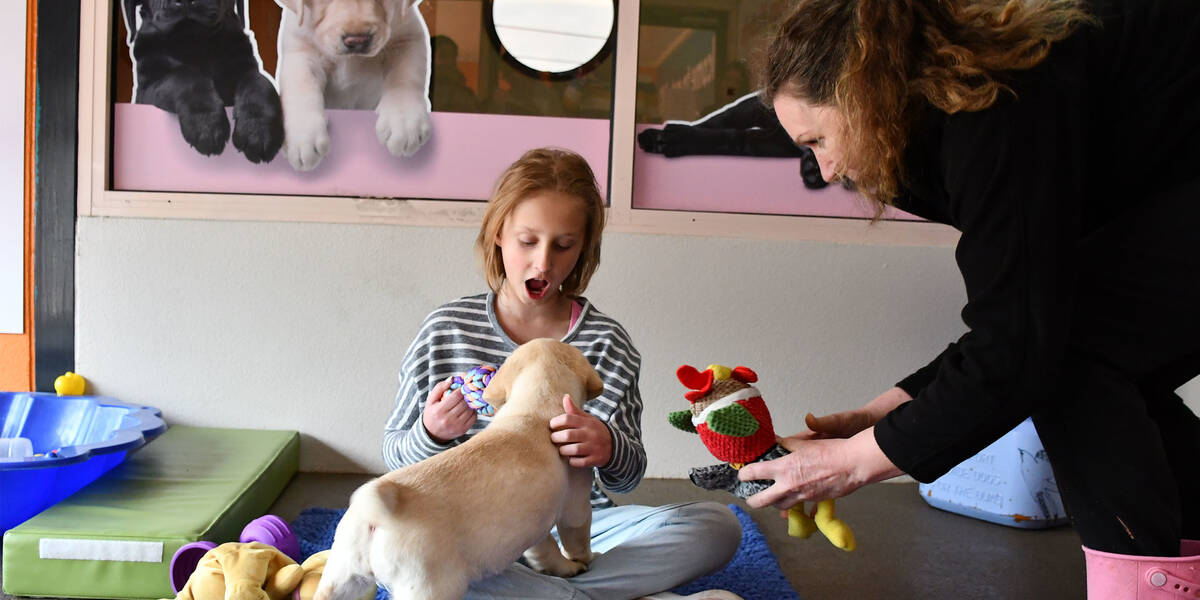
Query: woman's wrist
point(869, 463)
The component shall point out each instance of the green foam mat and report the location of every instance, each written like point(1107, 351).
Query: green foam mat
point(115, 538)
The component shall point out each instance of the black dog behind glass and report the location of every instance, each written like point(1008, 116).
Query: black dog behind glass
point(193, 58)
point(742, 128)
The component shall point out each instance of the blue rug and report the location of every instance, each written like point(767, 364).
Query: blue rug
point(753, 572)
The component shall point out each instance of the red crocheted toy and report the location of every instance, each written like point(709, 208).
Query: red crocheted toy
point(733, 422)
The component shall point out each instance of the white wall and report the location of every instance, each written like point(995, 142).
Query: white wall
point(302, 326)
point(12, 167)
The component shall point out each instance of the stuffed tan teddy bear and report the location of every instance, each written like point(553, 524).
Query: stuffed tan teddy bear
point(242, 571)
point(733, 422)
point(314, 567)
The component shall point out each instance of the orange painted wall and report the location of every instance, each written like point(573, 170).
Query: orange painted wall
point(16, 350)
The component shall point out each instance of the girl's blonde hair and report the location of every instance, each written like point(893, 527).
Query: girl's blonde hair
point(880, 61)
point(543, 170)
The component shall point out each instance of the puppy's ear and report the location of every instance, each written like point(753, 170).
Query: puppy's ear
point(591, 379)
point(296, 6)
point(497, 388)
point(595, 385)
point(130, 10)
point(239, 10)
point(411, 6)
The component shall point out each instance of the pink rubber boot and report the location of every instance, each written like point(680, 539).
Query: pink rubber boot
point(1127, 577)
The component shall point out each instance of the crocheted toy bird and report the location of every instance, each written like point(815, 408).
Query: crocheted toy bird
point(733, 422)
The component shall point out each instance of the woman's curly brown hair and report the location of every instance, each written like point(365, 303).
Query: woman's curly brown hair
point(880, 61)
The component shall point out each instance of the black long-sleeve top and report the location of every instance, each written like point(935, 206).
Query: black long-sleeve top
point(1111, 118)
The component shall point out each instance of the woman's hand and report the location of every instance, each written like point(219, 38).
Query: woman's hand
point(848, 423)
point(836, 426)
point(819, 469)
point(582, 438)
point(446, 416)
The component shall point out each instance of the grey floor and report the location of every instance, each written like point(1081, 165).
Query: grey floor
point(906, 549)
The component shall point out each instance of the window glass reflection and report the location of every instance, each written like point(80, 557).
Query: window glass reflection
point(471, 75)
point(695, 57)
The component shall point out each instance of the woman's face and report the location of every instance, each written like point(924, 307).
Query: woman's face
point(821, 128)
point(540, 243)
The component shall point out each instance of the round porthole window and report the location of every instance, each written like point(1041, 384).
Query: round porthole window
point(557, 38)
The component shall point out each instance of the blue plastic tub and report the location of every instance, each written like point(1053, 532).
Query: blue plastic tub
point(51, 446)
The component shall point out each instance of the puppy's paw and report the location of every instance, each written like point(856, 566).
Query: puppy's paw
point(306, 141)
point(205, 130)
point(557, 565)
point(403, 132)
point(584, 560)
point(574, 568)
point(257, 134)
point(563, 567)
point(651, 140)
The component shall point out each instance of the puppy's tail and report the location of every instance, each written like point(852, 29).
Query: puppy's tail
point(378, 501)
point(349, 572)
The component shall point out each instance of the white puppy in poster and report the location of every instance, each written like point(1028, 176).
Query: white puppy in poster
point(352, 54)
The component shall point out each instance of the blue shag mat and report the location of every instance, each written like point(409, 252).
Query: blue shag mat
point(753, 572)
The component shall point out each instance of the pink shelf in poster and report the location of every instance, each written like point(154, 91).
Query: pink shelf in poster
point(461, 161)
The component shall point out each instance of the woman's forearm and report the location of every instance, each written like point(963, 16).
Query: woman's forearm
point(885, 402)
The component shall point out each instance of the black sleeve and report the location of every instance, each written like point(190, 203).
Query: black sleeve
point(913, 384)
point(1013, 175)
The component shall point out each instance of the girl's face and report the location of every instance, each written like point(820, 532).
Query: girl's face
point(540, 243)
point(821, 128)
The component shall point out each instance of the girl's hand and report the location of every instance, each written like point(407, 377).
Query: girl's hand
point(446, 417)
point(819, 470)
point(582, 438)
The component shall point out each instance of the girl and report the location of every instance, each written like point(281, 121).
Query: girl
point(539, 245)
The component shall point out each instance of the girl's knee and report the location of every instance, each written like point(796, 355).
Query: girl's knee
point(717, 526)
point(726, 522)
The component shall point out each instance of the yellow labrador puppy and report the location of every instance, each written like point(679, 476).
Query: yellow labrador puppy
point(352, 54)
point(430, 529)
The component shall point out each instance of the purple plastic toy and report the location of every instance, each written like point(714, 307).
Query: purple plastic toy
point(267, 529)
point(183, 564)
point(272, 531)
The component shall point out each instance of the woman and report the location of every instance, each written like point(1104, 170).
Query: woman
point(1062, 139)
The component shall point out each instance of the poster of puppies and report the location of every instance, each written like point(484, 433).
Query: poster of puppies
point(193, 59)
point(261, 101)
point(200, 61)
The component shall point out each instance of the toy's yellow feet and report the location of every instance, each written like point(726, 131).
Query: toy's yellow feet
point(839, 533)
point(799, 523)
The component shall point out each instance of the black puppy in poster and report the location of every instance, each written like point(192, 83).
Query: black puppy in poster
point(193, 58)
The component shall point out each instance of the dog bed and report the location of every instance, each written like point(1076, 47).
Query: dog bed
point(753, 572)
point(115, 538)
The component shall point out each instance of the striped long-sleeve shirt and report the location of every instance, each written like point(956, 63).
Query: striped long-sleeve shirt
point(465, 333)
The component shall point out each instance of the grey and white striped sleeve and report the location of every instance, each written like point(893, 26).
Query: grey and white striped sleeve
point(621, 367)
point(405, 440)
point(625, 469)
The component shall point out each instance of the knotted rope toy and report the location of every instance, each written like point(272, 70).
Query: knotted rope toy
point(733, 422)
point(472, 384)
